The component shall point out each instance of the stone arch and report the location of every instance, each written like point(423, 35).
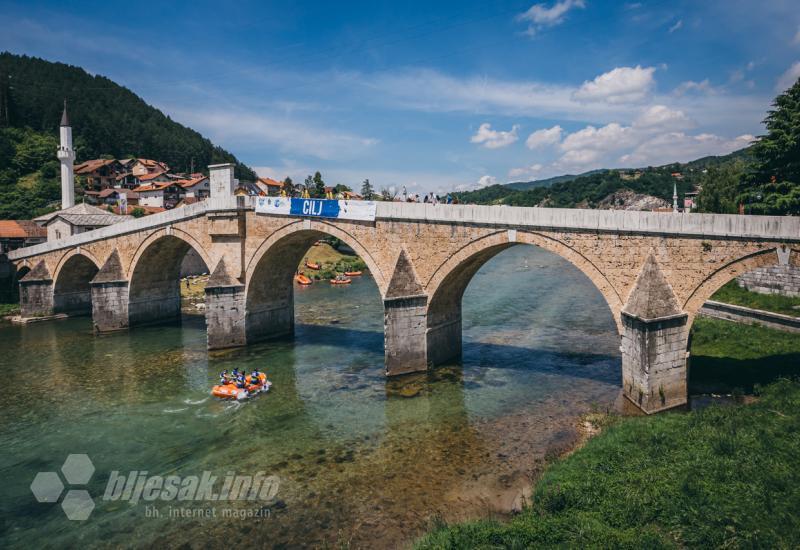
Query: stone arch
point(70, 254)
point(728, 272)
point(322, 229)
point(72, 290)
point(269, 288)
point(445, 289)
point(472, 256)
point(154, 276)
point(188, 238)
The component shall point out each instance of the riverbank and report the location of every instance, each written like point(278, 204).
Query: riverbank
point(732, 293)
point(724, 476)
point(720, 476)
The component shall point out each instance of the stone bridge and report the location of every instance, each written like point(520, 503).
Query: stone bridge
point(654, 270)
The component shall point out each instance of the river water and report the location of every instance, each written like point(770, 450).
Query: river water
point(358, 459)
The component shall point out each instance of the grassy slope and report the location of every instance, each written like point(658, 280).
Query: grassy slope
point(723, 476)
point(727, 355)
point(720, 477)
point(732, 293)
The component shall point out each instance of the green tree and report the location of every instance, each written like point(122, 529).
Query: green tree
point(319, 185)
point(366, 190)
point(720, 188)
point(288, 186)
point(773, 185)
point(309, 184)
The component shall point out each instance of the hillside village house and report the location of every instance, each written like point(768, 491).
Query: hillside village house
point(269, 186)
point(77, 219)
point(160, 194)
point(141, 167)
point(197, 187)
point(98, 174)
point(112, 197)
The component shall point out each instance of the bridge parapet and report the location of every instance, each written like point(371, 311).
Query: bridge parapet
point(719, 226)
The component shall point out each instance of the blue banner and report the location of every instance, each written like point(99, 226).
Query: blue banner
point(317, 208)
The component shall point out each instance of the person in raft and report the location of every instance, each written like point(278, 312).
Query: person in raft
point(254, 378)
point(224, 378)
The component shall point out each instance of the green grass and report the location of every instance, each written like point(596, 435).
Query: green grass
point(9, 309)
point(725, 476)
point(726, 356)
point(732, 293)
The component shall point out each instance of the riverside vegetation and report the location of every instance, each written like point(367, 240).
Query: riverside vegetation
point(723, 476)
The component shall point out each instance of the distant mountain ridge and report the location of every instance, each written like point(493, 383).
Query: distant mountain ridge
point(592, 189)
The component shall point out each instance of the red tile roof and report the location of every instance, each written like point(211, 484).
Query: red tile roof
point(271, 182)
point(148, 177)
point(89, 166)
point(21, 229)
point(190, 183)
point(155, 186)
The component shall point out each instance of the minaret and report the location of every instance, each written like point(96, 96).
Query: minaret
point(66, 155)
point(674, 196)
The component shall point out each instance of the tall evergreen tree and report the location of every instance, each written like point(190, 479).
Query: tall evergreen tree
point(366, 190)
point(773, 185)
point(319, 185)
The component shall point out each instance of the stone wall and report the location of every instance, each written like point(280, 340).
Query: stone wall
point(777, 279)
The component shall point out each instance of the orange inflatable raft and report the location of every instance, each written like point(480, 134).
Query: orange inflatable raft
point(301, 279)
point(230, 391)
point(341, 281)
point(313, 266)
point(353, 273)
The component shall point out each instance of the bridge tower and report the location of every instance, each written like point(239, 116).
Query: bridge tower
point(66, 156)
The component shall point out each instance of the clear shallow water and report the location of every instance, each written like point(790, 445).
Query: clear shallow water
point(360, 459)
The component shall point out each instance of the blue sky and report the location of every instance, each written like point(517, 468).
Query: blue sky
point(436, 95)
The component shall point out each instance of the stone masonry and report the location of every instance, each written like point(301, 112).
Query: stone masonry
point(654, 270)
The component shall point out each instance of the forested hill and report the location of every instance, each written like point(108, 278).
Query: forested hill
point(107, 119)
point(593, 188)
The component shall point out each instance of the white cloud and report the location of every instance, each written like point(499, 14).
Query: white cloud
point(662, 117)
point(494, 139)
point(653, 138)
point(678, 24)
point(680, 147)
point(485, 181)
point(531, 171)
point(703, 87)
point(540, 15)
point(788, 78)
point(544, 137)
point(235, 128)
point(620, 85)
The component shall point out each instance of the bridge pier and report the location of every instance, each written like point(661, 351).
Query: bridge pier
point(404, 334)
point(225, 310)
point(36, 293)
point(654, 340)
point(444, 335)
point(110, 293)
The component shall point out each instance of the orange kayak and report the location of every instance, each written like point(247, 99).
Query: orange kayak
point(230, 391)
point(301, 279)
point(353, 273)
point(341, 282)
point(312, 266)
